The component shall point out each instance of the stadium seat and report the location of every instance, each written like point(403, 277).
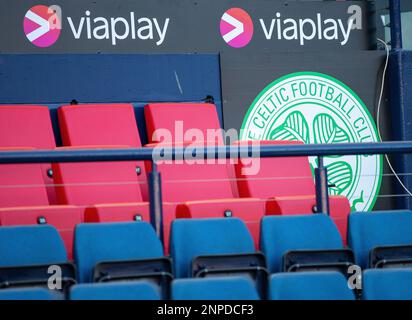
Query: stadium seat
point(289, 185)
point(104, 125)
point(24, 201)
point(27, 252)
point(118, 251)
point(26, 294)
point(203, 190)
point(191, 238)
point(86, 125)
point(63, 218)
point(98, 124)
point(387, 284)
point(89, 183)
point(133, 290)
point(212, 247)
point(225, 288)
point(186, 122)
point(299, 242)
point(22, 179)
point(29, 245)
point(182, 122)
point(310, 286)
point(29, 126)
point(109, 190)
point(381, 239)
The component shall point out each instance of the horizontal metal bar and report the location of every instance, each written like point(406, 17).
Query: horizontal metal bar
point(265, 151)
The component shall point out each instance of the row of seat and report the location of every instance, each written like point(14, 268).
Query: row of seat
point(379, 284)
point(113, 191)
point(205, 247)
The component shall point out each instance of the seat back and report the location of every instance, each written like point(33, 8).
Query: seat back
point(89, 183)
point(30, 245)
point(134, 290)
point(310, 286)
point(280, 234)
point(227, 288)
point(98, 124)
point(178, 122)
point(22, 184)
point(88, 125)
point(191, 238)
point(26, 294)
point(368, 230)
point(28, 126)
point(104, 242)
point(190, 181)
point(387, 284)
point(276, 176)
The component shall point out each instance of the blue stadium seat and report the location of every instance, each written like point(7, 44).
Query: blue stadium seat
point(327, 285)
point(212, 247)
point(30, 245)
point(26, 294)
point(120, 251)
point(26, 253)
point(387, 284)
point(103, 242)
point(191, 238)
point(228, 288)
point(380, 232)
point(133, 290)
point(316, 234)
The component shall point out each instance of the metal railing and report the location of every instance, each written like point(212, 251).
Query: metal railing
point(222, 152)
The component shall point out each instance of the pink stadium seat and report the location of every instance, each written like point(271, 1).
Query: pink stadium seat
point(289, 185)
point(22, 185)
point(89, 183)
point(101, 125)
point(198, 116)
point(204, 191)
point(200, 190)
point(98, 124)
point(24, 201)
point(28, 126)
point(186, 122)
point(109, 190)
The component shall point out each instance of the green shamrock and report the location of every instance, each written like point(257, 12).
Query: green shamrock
point(295, 128)
point(325, 130)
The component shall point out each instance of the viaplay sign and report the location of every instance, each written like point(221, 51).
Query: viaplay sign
point(205, 26)
point(236, 27)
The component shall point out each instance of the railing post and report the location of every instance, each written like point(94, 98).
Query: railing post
point(155, 195)
point(396, 25)
point(322, 196)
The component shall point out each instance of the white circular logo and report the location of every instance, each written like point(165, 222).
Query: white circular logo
point(316, 108)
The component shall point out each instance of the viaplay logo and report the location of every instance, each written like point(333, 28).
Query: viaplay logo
point(236, 27)
point(42, 25)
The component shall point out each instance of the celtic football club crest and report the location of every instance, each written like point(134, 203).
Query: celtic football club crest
point(316, 108)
